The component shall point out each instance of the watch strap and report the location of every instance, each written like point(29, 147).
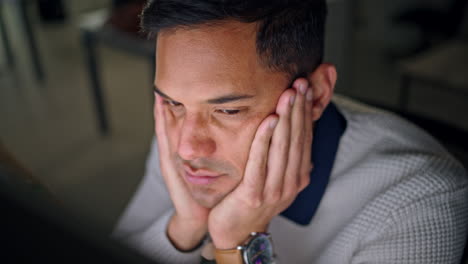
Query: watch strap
point(207, 261)
point(229, 256)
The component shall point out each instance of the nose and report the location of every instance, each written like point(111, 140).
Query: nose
point(195, 140)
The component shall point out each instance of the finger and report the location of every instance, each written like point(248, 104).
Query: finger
point(168, 169)
point(306, 164)
point(256, 170)
point(160, 124)
point(279, 149)
point(292, 176)
point(181, 198)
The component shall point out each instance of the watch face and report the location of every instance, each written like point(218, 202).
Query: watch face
point(259, 250)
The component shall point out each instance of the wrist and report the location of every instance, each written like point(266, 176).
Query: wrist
point(225, 242)
point(185, 235)
point(230, 240)
point(258, 248)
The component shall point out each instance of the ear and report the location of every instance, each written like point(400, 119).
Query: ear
point(322, 81)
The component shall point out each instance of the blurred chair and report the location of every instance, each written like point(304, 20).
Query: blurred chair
point(52, 11)
point(109, 27)
point(20, 6)
point(444, 67)
point(5, 39)
point(434, 25)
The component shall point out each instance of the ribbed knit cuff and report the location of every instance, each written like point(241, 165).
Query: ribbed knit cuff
point(154, 243)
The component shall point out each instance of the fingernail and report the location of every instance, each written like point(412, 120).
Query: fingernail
point(302, 88)
point(273, 123)
point(309, 95)
point(292, 99)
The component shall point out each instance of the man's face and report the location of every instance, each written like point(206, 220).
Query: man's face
point(216, 94)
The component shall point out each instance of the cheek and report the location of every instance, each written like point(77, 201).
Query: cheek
point(236, 142)
point(172, 128)
point(173, 133)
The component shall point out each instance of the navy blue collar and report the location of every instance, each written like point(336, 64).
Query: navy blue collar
point(327, 134)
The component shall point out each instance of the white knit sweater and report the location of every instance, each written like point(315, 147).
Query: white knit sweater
point(395, 195)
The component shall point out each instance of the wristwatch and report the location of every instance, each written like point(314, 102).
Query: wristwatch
point(257, 250)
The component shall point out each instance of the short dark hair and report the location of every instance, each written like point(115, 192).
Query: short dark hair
point(290, 36)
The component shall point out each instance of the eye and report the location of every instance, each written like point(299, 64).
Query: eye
point(228, 111)
point(172, 103)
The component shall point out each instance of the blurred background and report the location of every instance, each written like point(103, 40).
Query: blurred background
point(76, 85)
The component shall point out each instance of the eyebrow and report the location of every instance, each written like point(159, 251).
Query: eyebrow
point(218, 100)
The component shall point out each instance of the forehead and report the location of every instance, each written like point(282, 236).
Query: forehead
point(213, 59)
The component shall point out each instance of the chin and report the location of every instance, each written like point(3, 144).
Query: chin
point(210, 195)
point(207, 199)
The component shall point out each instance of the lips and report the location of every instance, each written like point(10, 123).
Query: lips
point(200, 177)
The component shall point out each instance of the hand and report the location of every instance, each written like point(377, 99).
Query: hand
point(188, 225)
point(275, 172)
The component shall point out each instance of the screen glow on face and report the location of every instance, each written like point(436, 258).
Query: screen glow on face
point(260, 251)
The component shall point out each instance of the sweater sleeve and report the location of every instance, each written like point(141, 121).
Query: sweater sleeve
point(429, 230)
point(144, 222)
